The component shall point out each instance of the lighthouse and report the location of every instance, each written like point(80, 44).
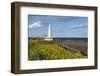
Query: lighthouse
point(49, 37)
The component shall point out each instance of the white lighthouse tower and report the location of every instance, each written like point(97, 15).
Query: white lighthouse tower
point(49, 37)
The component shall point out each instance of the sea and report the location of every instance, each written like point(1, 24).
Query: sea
point(63, 39)
point(75, 39)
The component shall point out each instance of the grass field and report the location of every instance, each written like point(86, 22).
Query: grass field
point(39, 49)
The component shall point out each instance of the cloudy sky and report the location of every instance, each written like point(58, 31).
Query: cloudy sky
point(62, 26)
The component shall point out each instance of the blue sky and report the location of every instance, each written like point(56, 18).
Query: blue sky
point(62, 26)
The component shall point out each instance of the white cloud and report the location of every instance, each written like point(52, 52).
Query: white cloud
point(78, 26)
point(36, 24)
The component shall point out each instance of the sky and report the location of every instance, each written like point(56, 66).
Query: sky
point(62, 26)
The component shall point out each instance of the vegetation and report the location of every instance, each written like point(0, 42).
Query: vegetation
point(42, 50)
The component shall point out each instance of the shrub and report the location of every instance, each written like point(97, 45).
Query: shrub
point(39, 50)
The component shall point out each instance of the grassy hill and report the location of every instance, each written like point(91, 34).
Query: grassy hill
point(42, 50)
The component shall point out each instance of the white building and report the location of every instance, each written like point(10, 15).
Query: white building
point(49, 37)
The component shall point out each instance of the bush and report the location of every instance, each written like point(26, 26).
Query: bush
point(39, 50)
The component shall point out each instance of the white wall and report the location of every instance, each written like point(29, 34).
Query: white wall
point(5, 33)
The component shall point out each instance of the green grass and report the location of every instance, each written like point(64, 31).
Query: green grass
point(40, 50)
